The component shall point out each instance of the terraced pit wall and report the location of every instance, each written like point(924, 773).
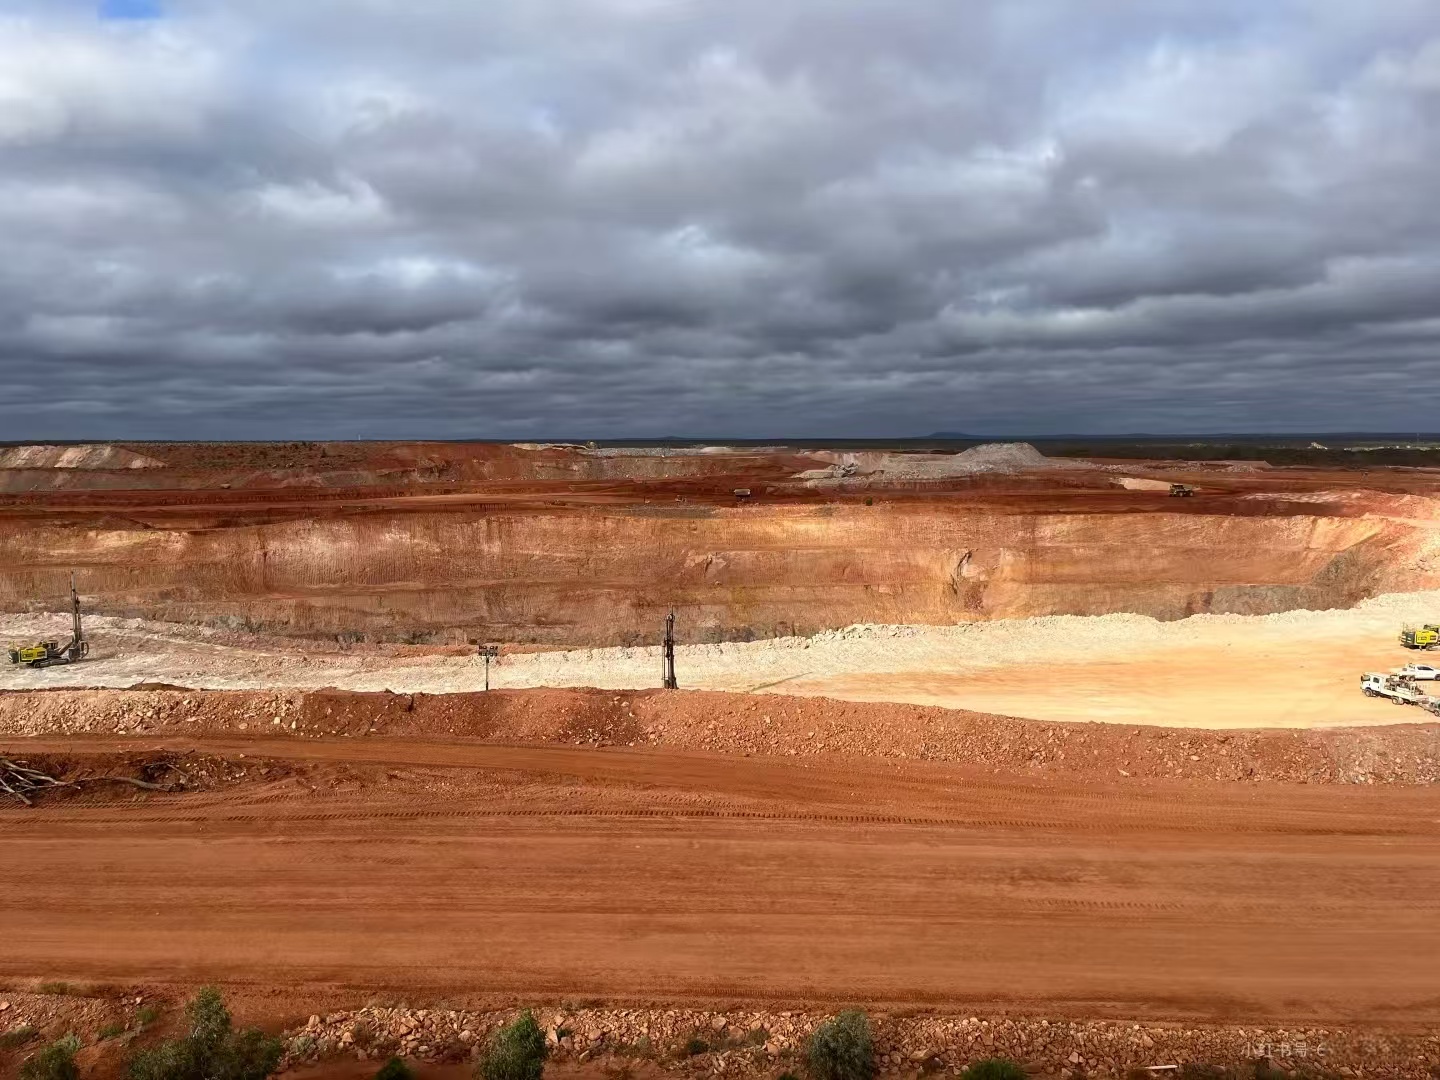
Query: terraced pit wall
point(605, 575)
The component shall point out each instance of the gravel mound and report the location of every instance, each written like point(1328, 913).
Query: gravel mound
point(986, 458)
point(94, 456)
point(749, 724)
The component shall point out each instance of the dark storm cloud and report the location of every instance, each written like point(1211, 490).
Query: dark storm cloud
point(641, 217)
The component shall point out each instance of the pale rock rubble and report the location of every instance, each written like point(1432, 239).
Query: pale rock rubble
point(746, 1042)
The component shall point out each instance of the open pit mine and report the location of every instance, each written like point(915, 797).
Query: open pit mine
point(1065, 760)
point(571, 546)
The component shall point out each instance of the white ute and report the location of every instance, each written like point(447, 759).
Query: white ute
point(1420, 672)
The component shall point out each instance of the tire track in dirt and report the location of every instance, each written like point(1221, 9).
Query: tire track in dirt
point(848, 793)
point(426, 866)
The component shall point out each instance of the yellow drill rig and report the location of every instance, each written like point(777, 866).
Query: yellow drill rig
point(1421, 637)
point(45, 653)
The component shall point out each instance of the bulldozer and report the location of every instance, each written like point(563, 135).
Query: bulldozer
point(45, 653)
point(1421, 637)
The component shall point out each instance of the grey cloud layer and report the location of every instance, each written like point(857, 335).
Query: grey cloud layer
point(638, 217)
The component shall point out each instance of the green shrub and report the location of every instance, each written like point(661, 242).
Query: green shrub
point(516, 1052)
point(695, 1045)
point(394, 1069)
point(994, 1069)
point(55, 1062)
point(842, 1049)
point(640, 1048)
point(109, 1031)
point(61, 988)
point(17, 1037)
point(211, 1050)
point(148, 1015)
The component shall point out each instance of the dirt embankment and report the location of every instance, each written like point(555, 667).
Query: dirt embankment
point(593, 1043)
point(253, 468)
point(746, 724)
point(745, 1042)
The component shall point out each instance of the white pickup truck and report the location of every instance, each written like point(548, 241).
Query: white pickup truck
point(1420, 672)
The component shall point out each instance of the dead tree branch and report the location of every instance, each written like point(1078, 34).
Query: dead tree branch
point(24, 782)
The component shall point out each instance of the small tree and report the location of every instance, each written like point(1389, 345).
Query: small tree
point(55, 1062)
point(516, 1052)
point(394, 1069)
point(211, 1050)
point(997, 1068)
point(842, 1049)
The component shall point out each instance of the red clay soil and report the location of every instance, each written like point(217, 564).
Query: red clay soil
point(749, 724)
point(435, 542)
point(428, 866)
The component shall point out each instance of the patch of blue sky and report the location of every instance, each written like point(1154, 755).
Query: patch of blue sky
point(130, 9)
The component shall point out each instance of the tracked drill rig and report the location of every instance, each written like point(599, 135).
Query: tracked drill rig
point(45, 653)
point(1421, 637)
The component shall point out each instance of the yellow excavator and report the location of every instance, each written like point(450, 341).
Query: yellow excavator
point(46, 653)
point(1421, 637)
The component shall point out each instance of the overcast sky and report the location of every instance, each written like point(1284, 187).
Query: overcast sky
point(606, 218)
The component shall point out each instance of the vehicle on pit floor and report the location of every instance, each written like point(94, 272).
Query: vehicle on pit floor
point(1420, 672)
point(46, 653)
point(1399, 689)
point(1181, 491)
point(1421, 637)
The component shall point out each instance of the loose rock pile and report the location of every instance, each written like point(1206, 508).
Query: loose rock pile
point(747, 1042)
point(751, 724)
point(876, 468)
point(33, 1019)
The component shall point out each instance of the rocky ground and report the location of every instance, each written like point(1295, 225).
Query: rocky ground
point(759, 1043)
point(112, 1022)
point(749, 724)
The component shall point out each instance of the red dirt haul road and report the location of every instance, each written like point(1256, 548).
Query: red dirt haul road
point(432, 866)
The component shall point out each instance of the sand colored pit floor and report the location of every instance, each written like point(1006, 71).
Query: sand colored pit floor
point(1295, 669)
